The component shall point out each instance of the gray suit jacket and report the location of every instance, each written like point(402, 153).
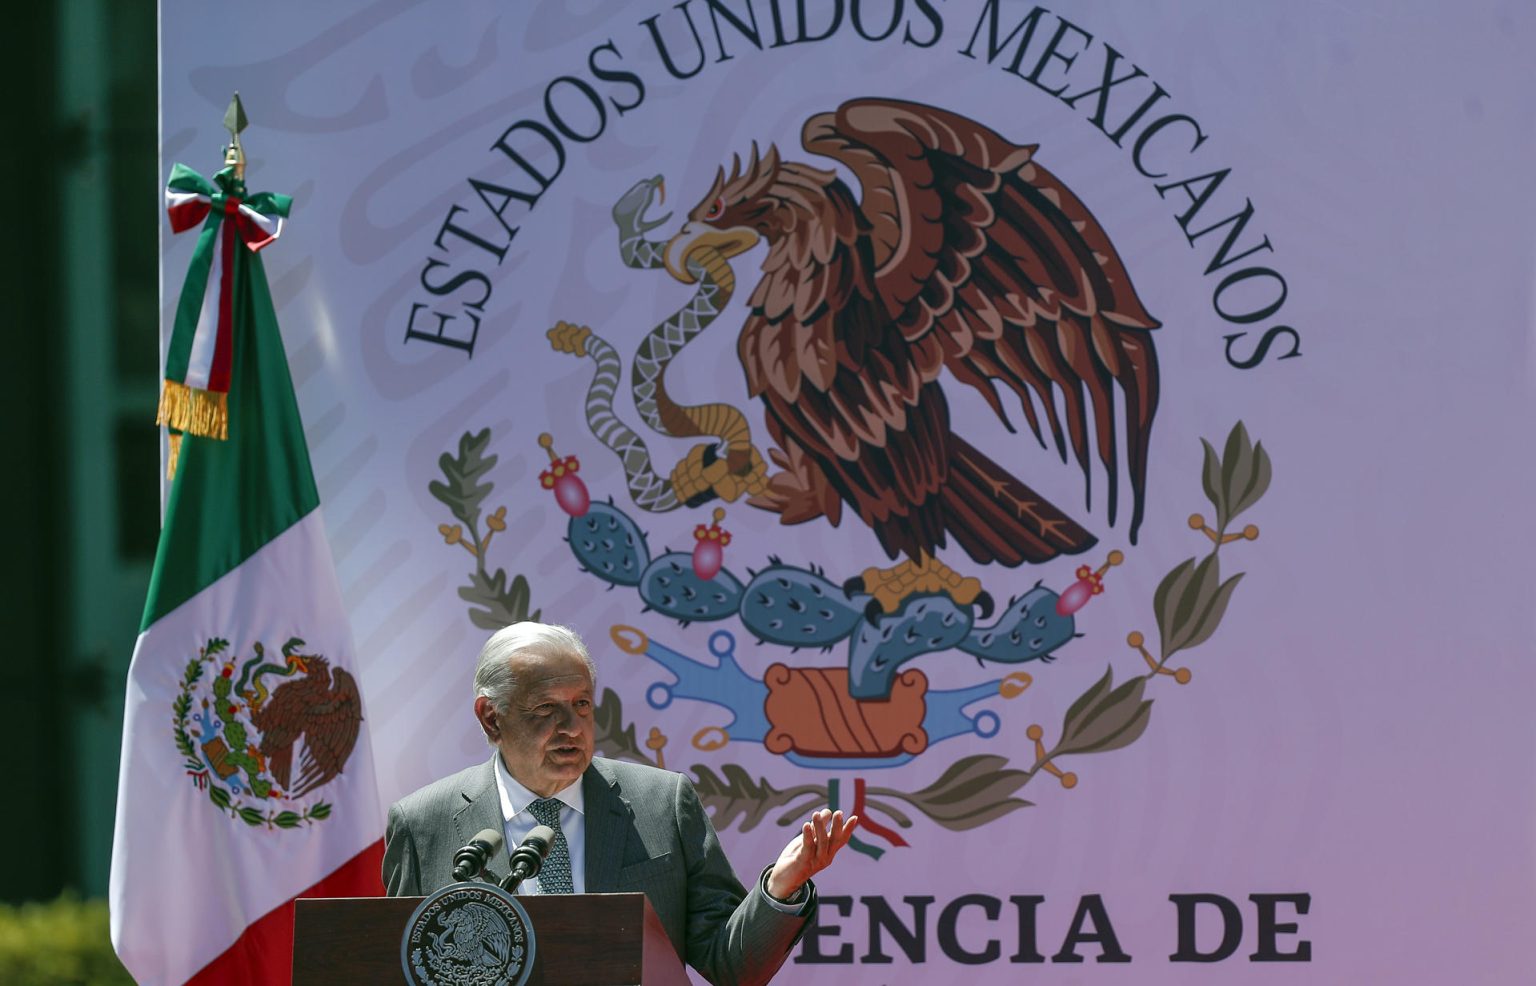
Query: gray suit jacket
point(646, 832)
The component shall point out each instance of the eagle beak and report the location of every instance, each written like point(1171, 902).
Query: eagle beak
point(693, 238)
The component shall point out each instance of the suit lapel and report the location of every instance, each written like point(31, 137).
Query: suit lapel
point(608, 817)
point(482, 810)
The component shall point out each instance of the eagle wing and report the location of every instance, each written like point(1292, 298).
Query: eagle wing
point(332, 724)
point(982, 254)
point(324, 707)
point(839, 383)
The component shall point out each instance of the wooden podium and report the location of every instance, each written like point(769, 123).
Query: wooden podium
point(580, 940)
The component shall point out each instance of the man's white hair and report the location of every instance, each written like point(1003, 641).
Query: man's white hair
point(493, 669)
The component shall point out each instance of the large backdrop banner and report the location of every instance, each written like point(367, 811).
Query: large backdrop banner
point(1085, 440)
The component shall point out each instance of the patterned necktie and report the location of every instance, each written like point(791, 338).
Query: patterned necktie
point(555, 877)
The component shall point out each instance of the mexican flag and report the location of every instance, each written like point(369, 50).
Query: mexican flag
point(247, 775)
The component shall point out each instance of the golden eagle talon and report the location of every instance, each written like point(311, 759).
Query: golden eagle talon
point(703, 475)
point(892, 587)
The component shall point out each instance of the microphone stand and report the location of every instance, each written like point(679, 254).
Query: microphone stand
point(512, 880)
point(527, 861)
point(528, 858)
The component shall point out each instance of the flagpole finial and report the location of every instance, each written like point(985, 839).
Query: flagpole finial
point(235, 122)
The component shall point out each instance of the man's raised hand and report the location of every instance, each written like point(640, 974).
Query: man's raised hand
point(810, 852)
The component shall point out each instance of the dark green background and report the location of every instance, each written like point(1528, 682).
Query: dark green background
point(81, 458)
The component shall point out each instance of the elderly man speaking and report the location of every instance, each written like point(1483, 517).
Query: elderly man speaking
point(620, 827)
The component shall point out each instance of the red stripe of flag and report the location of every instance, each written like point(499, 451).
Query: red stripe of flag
point(263, 954)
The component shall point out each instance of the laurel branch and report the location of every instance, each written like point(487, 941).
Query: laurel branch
point(494, 602)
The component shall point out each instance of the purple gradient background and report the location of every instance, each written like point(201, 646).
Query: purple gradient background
point(1361, 727)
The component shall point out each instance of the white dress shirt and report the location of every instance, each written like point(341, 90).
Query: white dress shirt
point(518, 821)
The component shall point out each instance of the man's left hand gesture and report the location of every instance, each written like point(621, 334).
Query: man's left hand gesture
point(810, 852)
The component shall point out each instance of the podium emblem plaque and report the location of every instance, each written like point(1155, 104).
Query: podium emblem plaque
point(468, 934)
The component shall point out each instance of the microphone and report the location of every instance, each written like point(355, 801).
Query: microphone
point(469, 861)
point(528, 858)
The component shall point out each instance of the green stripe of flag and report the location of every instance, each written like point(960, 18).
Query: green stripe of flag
point(231, 497)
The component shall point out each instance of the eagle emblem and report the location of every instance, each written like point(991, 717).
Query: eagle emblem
point(468, 934)
point(964, 262)
point(259, 736)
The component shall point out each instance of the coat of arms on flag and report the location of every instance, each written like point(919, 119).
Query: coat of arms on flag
point(239, 733)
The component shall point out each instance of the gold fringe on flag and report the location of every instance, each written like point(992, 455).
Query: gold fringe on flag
point(197, 412)
point(173, 452)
